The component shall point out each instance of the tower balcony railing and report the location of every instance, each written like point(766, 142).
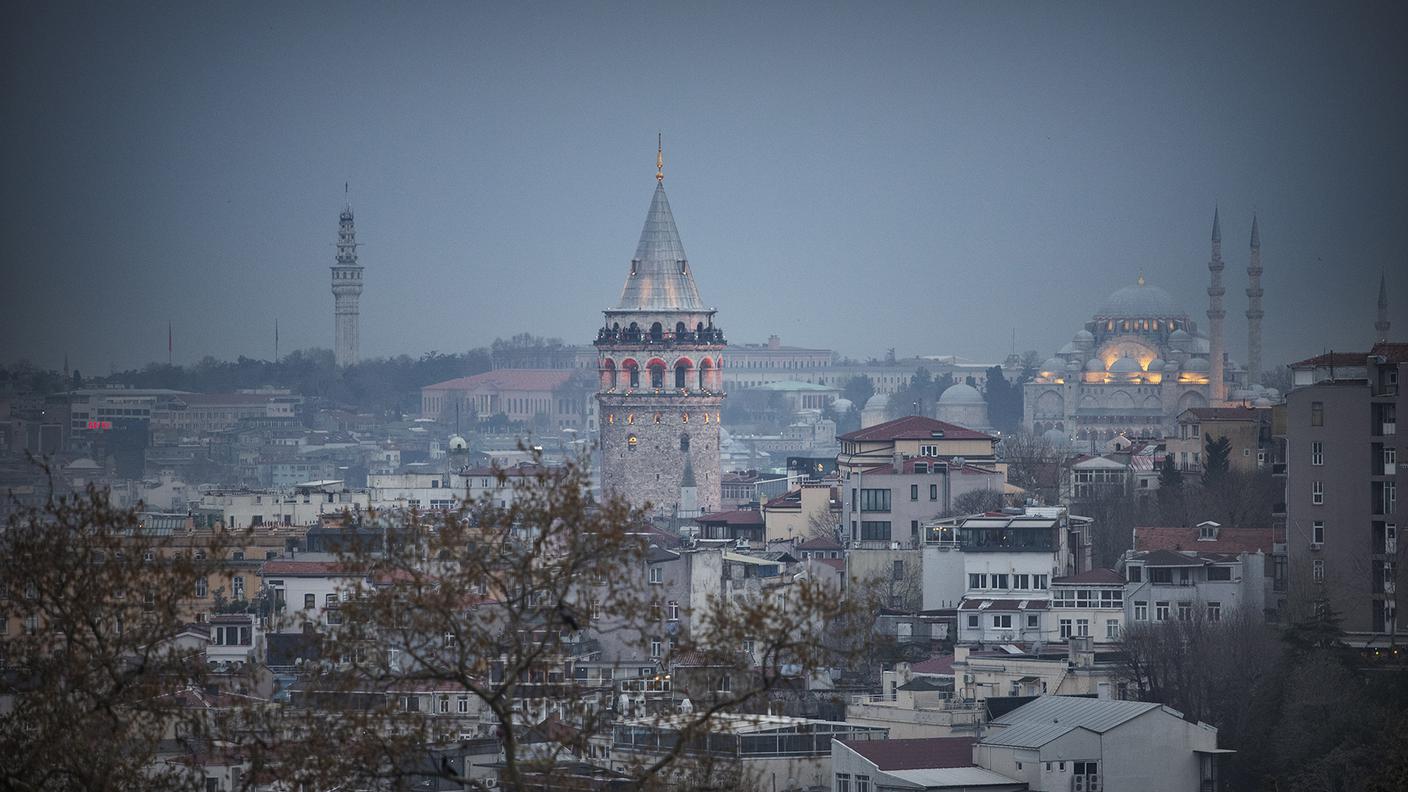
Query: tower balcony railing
point(662, 392)
point(709, 335)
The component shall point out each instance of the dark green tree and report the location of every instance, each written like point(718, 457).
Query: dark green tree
point(1171, 503)
point(1216, 452)
point(858, 390)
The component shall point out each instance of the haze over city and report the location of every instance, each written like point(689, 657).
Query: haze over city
point(927, 177)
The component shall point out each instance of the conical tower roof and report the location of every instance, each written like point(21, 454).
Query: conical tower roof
point(660, 279)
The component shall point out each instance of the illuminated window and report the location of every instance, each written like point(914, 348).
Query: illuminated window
point(631, 442)
point(630, 418)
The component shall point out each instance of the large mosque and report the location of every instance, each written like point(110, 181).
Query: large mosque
point(1141, 360)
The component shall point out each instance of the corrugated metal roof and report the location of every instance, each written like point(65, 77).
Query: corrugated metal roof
point(1038, 723)
point(946, 777)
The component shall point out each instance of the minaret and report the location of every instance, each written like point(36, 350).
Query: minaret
point(1217, 392)
point(1381, 324)
point(660, 360)
point(1254, 312)
point(346, 289)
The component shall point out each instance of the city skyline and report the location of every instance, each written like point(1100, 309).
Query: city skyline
point(963, 175)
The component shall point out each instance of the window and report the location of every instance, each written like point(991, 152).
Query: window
point(1160, 611)
point(1217, 573)
point(1021, 581)
point(445, 704)
point(237, 583)
point(928, 450)
point(999, 581)
point(1135, 574)
point(462, 704)
point(1002, 621)
point(1317, 453)
point(1214, 611)
point(655, 647)
point(310, 601)
point(875, 500)
point(1317, 493)
point(1112, 629)
point(1039, 582)
point(862, 783)
point(1317, 532)
point(202, 587)
point(977, 580)
point(1185, 610)
point(897, 573)
point(843, 782)
point(1065, 628)
point(1082, 627)
point(657, 575)
point(725, 683)
point(973, 620)
point(875, 530)
point(933, 492)
point(1317, 413)
point(1160, 575)
point(1317, 569)
point(673, 609)
point(1033, 621)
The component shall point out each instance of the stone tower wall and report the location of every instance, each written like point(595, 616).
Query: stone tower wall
point(653, 470)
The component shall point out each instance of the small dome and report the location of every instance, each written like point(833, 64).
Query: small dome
point(1157, 364)
point(1179, 338)
point(1052, 365)
point(1197, 364)
point(879, 401)
point(1140, 301)
point(842, 405)
point(1095, 364)
point(1273, 394)
point(1083, 337)
point(458, 443)
point(1125, 365)
point(961, 394)
point(1262, 402)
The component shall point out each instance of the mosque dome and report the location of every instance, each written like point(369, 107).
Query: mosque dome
point(1179, 339)
point(1157, 364)
point(1051, 365)
point(1197, 364)
point(961, 394)
point(879, 401)
point(1083, 338)
point(1095, 364)
point(1140, 301)
point(1125, 366)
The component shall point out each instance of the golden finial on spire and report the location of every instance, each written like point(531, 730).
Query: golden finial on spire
point(659, 157)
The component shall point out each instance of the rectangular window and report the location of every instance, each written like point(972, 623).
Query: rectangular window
point(462, 704)
point(1141, 610)
point(1135, 574)
point(1317, 493)
point(862, 783)
point(1002, 621)
point(1317, 413)
point(928, 450)
point(1112, 629)
point(1317, 569)
point(655, 647)
point(1033, 621)
point(310, 601)
point(875, 500)
point(933, 492)
point(1160, 575)
point(973, 620)
point(1040, 582)
point(1185, 610)
point(875, 530)
point(977, 580)
point(202, 587)
point(914, 492)
point(1219, 573)
point(897, 573)
point(1160, 611)
point(673, 610)
point(238, 584)
point(1214, 611)
point(1082, 627)
point(1317, 453)
point(999, 581)
point(445, 704)
point(843, 782)
point(657, 575)
point(1317, 532)
point(1065, 628)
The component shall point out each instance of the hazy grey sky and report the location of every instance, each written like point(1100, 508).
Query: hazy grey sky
point(923, 176)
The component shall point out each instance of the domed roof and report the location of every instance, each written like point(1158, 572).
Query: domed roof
point(1196, 364)
point(879, 401)
point(1051, 364)
point(1157, 364)
point(1262, 402)
point(1179, 336)
point(1083, 336)
point(961, 394)
point(1125, 365)
point(1139, 301)
point(458, 443)
point(1074, 365)
point(1095, 364)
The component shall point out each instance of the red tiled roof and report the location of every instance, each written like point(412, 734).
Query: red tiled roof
point(938, 664)
point(835, 563)
point(924, 753)
point(1333, 359)
point(1093, 576)
point(819, 543)
point(508, 380)
point(735, 517)
point(914, 427)
point(1393, 351)
point(307, 568)
point(1229, 540)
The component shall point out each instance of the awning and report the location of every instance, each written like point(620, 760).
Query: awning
point(1027, 680)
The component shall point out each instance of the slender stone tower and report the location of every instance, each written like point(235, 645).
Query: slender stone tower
point(1381, 323)
point(660, 360)
point(1254, 312)
point(346, 290)
point(1217, 390)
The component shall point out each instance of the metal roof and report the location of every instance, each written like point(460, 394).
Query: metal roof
point(1043, 720)
point(946, 777)
point(660, 279)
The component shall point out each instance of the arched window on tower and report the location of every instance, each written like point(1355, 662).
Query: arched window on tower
point(657, 373)
point(632, 372)
point(680, 329)
point(704, 374)
point(657, 332)
point(682, 367)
